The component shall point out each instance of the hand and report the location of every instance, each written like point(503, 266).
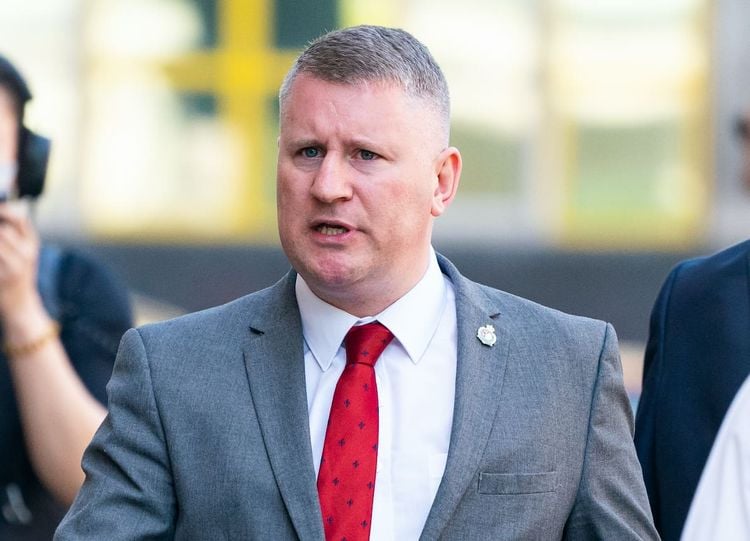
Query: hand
point(19, 254)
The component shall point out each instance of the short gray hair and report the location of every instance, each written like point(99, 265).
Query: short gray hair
point(362, 54)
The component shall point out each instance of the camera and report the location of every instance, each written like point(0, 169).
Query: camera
point(31, 170)
point(33, 149)
point(33, 156)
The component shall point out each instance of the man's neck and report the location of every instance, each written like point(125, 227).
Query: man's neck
point(370, 300)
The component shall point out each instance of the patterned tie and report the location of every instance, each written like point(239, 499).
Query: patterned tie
point(346, 480)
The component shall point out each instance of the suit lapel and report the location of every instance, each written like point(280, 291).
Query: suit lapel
point(479, 380)
point(275, 368)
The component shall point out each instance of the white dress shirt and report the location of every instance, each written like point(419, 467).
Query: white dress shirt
point(721, 505)
point(416, 379)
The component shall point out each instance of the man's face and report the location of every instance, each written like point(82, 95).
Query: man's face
point(358, 189)
point(8, 127)
point(8, 143)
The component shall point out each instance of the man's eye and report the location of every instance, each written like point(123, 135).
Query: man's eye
point(367, 155)
point(310, 152)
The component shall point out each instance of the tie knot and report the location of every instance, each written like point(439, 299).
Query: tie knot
point(365, 343)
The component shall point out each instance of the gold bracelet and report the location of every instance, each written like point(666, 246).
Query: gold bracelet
point(21, 350)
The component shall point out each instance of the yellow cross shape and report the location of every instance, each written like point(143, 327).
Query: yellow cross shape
point(244, 72)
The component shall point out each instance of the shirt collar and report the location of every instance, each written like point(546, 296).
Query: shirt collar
point(413, 319)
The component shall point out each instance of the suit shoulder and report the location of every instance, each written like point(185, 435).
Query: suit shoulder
point(543, 320)
point(218, 320)
point(565, 346)
point(717, 263)
point(537, 325)
point(698, 278)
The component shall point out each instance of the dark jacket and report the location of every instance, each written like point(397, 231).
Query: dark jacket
point(697, 357)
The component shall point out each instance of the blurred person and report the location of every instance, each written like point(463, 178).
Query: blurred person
point(373, 392)
point(697, 357)
point(61, 318)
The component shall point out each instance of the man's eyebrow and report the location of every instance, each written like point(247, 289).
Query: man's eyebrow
point(303, 142)
point(363, 142)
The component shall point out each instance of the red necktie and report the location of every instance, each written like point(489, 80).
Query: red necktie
point(346, 480)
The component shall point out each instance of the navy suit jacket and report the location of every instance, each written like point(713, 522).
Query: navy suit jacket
point(697, 357)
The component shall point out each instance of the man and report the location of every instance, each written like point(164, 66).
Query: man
point(697, 356)
point(494, 418)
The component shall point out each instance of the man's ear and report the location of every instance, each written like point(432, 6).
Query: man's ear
point(448, 173)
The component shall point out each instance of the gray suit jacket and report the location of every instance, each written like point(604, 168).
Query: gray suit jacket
point(207, 435)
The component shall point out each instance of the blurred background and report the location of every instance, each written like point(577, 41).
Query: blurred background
point(598, 139)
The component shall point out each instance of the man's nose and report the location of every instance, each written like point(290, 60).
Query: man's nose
point(332, 180)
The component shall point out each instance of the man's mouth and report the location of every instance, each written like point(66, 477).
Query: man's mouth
point(331, 230)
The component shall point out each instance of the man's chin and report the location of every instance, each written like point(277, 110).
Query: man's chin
point(329, 278)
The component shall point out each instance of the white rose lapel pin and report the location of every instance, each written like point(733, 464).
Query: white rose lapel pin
point(486, 335)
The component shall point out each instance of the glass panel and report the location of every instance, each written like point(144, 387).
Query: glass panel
point(208, 11)
point(628, 95)
point(182, 133)
point(298, 22)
